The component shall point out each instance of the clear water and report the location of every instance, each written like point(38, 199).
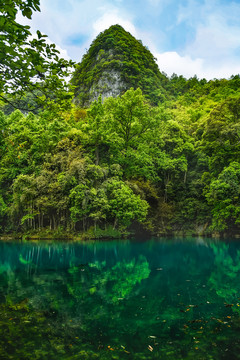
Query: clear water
point(158, 299)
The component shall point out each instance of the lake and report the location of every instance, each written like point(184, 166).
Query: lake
point(158, 299)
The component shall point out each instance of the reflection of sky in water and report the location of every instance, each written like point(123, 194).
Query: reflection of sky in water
point(146, 298)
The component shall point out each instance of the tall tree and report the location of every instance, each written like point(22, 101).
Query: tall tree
point(131, 117)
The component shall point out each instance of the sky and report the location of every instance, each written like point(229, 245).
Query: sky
point(187, 37)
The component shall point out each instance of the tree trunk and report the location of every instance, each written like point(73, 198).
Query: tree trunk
point(185, 177)
point(115, 223)
point(97, 154)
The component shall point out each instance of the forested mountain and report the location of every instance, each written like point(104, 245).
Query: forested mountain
point(162, 155)
point(114, 63)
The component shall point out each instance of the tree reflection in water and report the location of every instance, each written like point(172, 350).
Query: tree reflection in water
point(111, 300)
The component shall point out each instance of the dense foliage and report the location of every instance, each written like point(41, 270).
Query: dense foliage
point(124, 164)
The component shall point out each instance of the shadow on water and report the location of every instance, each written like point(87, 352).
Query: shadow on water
point(157, 299)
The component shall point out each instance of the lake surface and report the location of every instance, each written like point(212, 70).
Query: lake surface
point(157, 299)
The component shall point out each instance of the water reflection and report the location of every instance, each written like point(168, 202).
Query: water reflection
point(170, 299)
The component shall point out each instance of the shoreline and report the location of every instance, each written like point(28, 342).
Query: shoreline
point(81, 237)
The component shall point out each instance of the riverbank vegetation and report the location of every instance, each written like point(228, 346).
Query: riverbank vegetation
point(124, 164)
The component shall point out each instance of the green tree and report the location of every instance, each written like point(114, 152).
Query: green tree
point(223, 196)
point(221, 136)
point(96, 127)
point(26, 63)
point(124, 205)
point(131, 117)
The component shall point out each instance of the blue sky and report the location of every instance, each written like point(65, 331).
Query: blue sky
point(187, 37)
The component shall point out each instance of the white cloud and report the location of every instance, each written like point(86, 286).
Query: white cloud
point(172, 62)
point(217, 40)
point(113, 18)
point(191, 13)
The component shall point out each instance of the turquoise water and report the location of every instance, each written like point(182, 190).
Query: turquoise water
point(157, 299)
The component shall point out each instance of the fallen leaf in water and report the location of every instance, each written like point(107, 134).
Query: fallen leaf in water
point(228, 305)
point(152, 337)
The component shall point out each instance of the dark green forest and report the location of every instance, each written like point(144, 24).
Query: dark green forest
point(162, 157)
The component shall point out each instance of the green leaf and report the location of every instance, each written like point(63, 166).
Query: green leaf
point(40, 69)
point(39, 34)
point(27, 13)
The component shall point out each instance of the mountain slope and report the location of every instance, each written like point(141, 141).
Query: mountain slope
point(115, 62)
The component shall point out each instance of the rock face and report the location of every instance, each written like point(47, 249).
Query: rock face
point(109, 84)
point(115, 62)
